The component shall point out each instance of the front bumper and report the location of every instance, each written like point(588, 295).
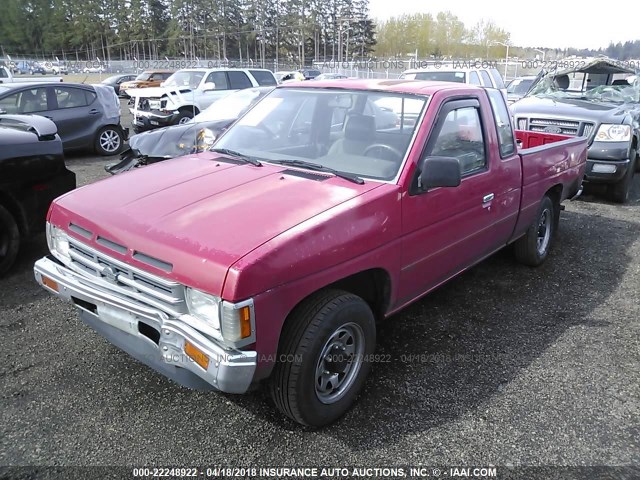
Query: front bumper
point(149, 334)
point(606, 171)
point(144, 120)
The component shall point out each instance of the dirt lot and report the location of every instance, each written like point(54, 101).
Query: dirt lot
point(508, 366)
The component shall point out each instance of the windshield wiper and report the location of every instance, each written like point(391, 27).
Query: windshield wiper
point(320, 168)
point(238, 155)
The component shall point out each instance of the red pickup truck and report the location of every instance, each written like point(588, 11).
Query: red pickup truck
point(326, 207)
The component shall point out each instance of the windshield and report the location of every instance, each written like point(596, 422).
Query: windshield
point(230, 106)
point(365, 133)
point(558, 87)
point(184, 78)
point(144, 76)
point(520, 86)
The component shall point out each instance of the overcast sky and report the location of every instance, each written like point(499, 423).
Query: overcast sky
point(538, 23)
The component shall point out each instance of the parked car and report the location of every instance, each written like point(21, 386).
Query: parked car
point(195, 136)
point(518, 88)
point(271, 257)
point(32, 174)
point(36, 68)
point(116, 81)
point(187, 92)
point(87, 116)
point(148, 78)
point(310, 73)
point(6, 76)
point(280, 75)
point(330, 76)
point(595, 99)
point(486, 77)
point(98, 69)
point(59, 68)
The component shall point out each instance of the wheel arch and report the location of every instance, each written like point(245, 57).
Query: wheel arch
point(14, 208)
point(372, 285)
point(555, 193)
point(189, 108)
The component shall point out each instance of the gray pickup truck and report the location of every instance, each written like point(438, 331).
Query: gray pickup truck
point(598, 99)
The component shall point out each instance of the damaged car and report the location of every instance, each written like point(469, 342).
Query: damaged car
point(195, 136)
point(598, 99)
point(86, 116)
point(32, 174)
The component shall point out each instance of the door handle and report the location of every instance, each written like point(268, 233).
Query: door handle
point(93, 111)
point(488, 198)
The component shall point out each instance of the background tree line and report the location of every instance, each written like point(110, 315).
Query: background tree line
point(295, 31)
point(445, 35)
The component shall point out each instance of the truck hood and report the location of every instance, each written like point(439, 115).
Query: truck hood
point(583, 110)
point(197, 215)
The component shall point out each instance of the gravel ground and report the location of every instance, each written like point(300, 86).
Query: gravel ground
point(508, 365)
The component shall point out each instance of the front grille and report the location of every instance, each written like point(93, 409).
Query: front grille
point(566, 127)
point(571, 128)
point(137, 282)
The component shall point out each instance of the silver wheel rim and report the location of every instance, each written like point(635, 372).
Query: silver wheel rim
point(544, 231)
point(183, 120)
point(109, 141)
point(339, 363)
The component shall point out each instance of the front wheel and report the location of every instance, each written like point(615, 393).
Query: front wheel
point(323, 357)
point(532, 248)
point(9, 240)
point(109, 141)
point(183, 117)
point(619, 192)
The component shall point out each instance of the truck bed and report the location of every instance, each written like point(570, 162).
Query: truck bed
point(549, 161)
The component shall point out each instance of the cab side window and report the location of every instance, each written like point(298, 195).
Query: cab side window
point(503, 123)
point(461, 137)
point(220, 79)
point(486, 79)
point(474, 79)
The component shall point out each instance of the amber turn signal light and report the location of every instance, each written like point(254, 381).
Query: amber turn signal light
point(52, 284)
point(195, 354)
point(245, 322)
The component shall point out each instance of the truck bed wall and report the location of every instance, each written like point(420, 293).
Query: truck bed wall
point(548, 161)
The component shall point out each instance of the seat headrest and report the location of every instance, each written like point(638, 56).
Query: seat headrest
point(360, 128)
point(563, 82)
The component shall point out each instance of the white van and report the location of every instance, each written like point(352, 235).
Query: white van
point(486, 77)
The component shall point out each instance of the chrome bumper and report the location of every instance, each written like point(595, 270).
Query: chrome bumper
point(149, 334)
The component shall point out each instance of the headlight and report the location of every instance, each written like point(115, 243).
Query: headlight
point(613, 133)
point(233, 323)
point(204, 307)
point(58, 242)
point(204, 140)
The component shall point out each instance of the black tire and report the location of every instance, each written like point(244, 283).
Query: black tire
point(619, 192)
point(109, 141)
point(311, 336)
point(184, 116)
point(528, 249)
point(9, 240)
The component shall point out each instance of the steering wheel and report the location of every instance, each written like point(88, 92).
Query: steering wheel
point(381, 146)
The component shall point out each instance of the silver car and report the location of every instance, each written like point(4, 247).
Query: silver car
point(87, 116)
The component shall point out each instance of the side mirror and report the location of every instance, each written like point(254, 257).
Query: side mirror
point(439, 172)
point(209, 86)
